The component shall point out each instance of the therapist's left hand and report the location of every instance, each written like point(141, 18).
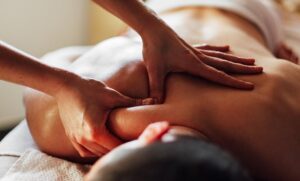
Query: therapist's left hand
point(84, 106)
point(165, 52)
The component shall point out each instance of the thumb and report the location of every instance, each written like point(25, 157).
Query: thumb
point(156, 82)
point(124, 101)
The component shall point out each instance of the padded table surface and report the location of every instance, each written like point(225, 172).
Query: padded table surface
point(13, 145)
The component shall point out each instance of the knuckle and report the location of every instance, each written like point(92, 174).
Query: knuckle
point(83, 154)
point(81, 140)
point(94, 134)
point(202, 55)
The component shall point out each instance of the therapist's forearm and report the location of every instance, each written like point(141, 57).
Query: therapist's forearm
point(21, 68)
point(135, 14)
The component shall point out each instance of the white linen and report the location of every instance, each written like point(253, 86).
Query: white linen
point(17, 141)
point(292, 31)
point(6, 163)
point(35, 165)
point(14, 145)
point(260, 12)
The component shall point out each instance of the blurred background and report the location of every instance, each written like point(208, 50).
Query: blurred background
point(41, 26)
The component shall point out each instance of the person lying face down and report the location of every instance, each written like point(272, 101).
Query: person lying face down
point(260, 128)
point(167, 153)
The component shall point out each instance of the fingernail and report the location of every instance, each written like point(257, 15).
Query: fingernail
point(252, 60)
point(227, 47)
point(260, 69)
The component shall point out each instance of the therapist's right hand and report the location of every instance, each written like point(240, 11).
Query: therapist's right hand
point(84, 106)
point(165, 52)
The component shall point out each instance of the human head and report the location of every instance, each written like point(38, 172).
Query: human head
point(167, 154)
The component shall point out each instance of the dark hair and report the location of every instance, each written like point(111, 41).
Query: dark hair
point(186, 159)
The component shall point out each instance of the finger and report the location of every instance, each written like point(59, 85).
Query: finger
point(231, 66)
point(225, 48)
point(97, 132)
point(88, 143)
point(156, 82)
point(95, 148)
point(83, 152)
point(108, 141)
point(154, 131)
point(232, 58)
point(224, 79)
point(211, 74)
point(121, 100)
point(124, 101)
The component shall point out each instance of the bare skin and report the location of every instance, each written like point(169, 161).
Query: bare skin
point(83, 102)
point(261, 127)
point(158, 37)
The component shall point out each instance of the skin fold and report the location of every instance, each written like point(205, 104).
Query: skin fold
point(260, 127)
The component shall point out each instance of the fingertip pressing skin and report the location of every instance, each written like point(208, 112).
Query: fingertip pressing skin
point(225, 48)
point(228, 57)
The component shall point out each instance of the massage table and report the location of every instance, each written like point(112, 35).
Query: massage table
point(18, 145)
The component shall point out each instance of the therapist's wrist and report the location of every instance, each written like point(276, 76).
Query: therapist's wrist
point(158, 35)
point(68, 81)
point(153, 29)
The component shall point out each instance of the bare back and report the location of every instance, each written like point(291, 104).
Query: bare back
point(260, 127)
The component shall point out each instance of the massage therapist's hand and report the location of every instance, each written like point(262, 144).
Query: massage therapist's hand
point(165, 52)
point(84, 106)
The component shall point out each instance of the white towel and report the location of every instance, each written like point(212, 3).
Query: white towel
point(35, 165)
